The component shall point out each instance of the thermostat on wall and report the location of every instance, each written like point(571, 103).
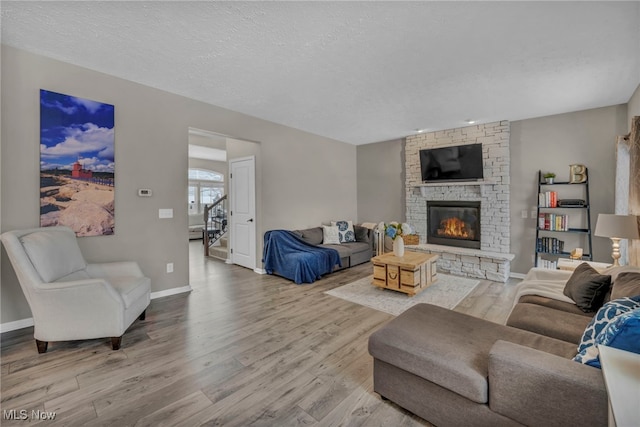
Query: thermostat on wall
point(144, 192)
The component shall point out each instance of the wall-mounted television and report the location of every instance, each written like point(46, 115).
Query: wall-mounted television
point(457, 163)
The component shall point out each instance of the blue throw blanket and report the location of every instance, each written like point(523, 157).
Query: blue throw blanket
point(295, 259)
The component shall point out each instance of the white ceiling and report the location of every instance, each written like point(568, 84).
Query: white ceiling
point(358, 72)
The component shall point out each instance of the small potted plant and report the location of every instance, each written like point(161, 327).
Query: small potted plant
point(549, 177)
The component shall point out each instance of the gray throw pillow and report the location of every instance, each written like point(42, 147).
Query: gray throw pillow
point(362, 233)
point(312, 236)
point(587, 288)
point(626, 285)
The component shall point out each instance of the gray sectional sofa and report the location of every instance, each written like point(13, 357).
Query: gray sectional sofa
point(453, 369)
point(352, 253)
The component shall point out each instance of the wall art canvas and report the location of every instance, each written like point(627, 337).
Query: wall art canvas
point(77, 167)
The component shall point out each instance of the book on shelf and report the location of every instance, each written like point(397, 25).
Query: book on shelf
point(548, 199)
point(553, 222)
point(550, 245)
point(545, 263)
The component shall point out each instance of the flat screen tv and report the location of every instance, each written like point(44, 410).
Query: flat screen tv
point(458, 163)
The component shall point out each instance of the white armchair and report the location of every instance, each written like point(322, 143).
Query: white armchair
point(70, 299)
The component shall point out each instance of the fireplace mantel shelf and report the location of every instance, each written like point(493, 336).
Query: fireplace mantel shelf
point(426, 188)
point(447, 184)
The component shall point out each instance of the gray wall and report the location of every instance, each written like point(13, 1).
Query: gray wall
point(306, 184)
point(633, 107)
point(551, 144)
point(381, 195)
point(305, 179)
point(547, 143)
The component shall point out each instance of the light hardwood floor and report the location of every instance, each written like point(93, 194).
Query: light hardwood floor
point(241, 349)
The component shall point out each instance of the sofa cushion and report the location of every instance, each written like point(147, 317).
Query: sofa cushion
point(539, 389)
point(357, 247)
point(54, 253)
point(362, 233)
point(587, 287)
point(554, 304)
point(614, 272)
point(76, 275)
point(549, 322)
point(626, 285)
point(345, 231)
point(587, 349)
point(344, 250)
point(451, 349)
point(313, 236)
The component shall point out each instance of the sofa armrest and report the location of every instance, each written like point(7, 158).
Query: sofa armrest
point(114, 269)
point(538, 388)
point(538, 273)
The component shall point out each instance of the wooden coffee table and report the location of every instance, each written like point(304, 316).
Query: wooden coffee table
point(411, 273)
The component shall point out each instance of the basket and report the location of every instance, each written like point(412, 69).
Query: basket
point(411, 239)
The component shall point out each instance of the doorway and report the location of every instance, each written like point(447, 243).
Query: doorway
point(236, 150)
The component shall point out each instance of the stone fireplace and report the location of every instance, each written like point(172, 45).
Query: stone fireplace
point(482, 205)
point(452, 223)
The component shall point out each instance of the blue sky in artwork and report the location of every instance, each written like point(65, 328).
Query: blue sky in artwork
point(75, 128)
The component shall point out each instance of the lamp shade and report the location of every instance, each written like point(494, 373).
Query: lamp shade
point(617, 226)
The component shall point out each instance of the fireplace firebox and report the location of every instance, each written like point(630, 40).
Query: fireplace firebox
point(453, 223)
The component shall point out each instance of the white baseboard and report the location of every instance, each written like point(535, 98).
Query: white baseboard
point(260, 270)
point(517, 275)
point(16, 324)
point(169, 292)
point(25, 323)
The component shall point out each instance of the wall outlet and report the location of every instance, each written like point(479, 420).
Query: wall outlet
point(523, 213)
point(169, 267)
point(165, 213)
point(533, 214)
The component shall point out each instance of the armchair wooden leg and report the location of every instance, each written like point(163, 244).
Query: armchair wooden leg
point(42, 346)
point(115, 342)
point(143, 315)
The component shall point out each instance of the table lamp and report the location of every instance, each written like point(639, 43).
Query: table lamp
point(617, 227)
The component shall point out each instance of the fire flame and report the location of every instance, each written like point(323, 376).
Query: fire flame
point(454, 227)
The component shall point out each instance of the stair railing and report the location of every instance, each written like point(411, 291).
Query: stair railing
point(215, 222)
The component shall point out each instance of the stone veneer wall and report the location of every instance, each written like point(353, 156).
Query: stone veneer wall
point(494, 196)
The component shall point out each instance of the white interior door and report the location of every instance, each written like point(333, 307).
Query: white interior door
point(242, 186)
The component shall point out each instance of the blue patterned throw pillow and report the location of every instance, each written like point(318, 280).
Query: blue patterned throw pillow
point(345, 229)
point(606, 315)
point(623, 332)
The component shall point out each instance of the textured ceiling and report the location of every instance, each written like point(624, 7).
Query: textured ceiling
point(358, 72)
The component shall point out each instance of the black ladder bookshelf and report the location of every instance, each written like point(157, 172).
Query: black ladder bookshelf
point(553, 222)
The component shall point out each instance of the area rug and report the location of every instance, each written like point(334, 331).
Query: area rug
point(447, 292)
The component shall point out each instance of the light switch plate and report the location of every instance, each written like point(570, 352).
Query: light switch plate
point(165, 213)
